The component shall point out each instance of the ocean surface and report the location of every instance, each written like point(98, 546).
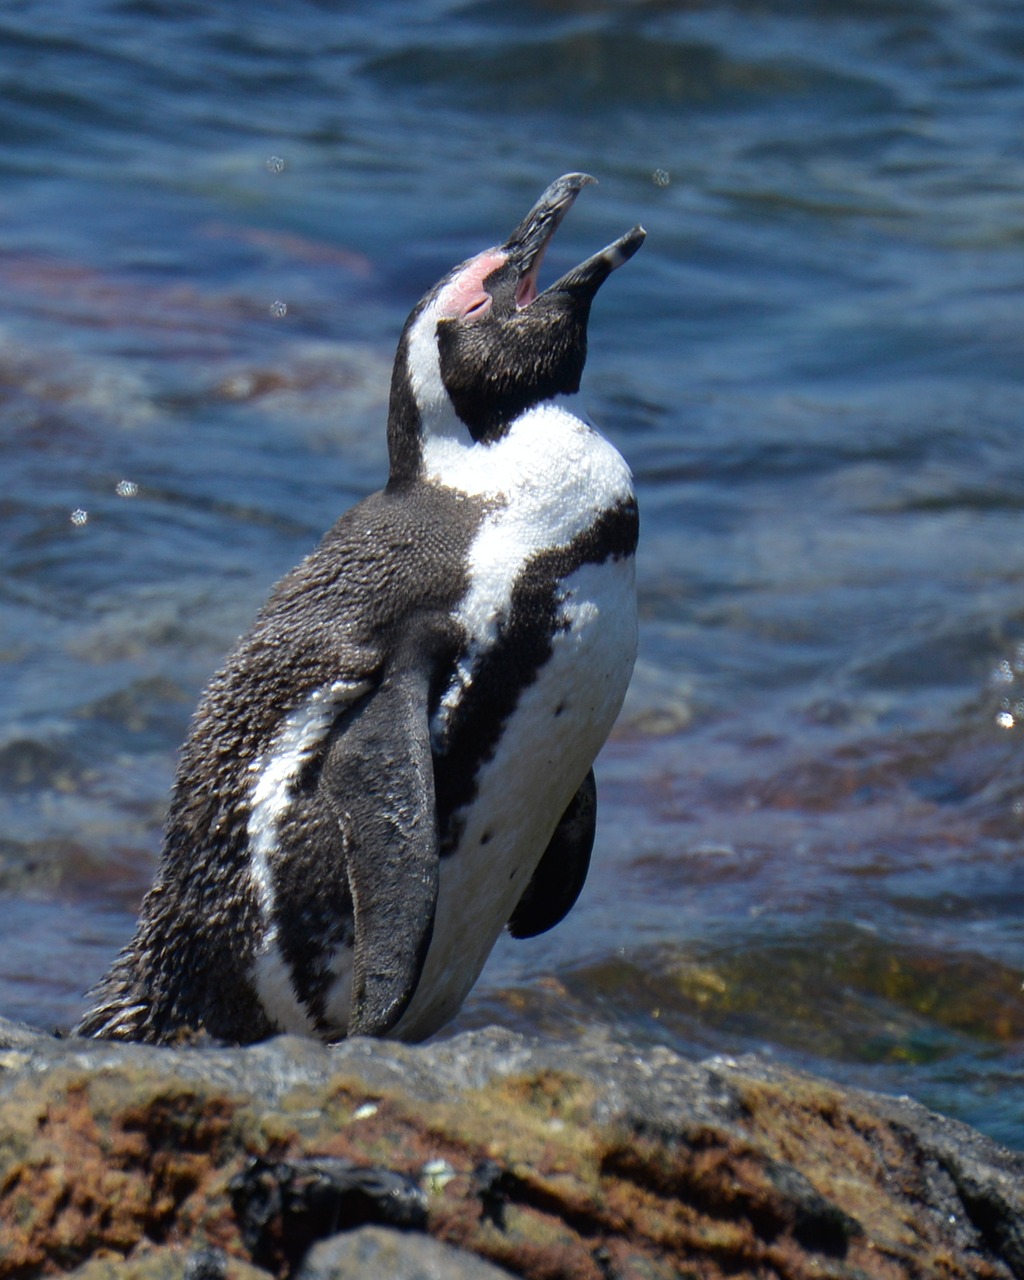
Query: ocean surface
point(214, 219)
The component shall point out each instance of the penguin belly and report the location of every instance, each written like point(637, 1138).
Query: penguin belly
point(546, 746)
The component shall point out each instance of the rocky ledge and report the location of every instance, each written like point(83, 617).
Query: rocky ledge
point(481, 1156)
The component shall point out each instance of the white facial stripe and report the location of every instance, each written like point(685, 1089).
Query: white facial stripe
point(464, 291)
point(424, 364)
point(437, 414)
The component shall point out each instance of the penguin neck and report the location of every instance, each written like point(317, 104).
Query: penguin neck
point(418, 434)
point(428, 441)
point(545, 452)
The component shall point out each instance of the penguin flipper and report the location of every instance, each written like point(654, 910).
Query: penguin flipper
point(384, 801)
point(561, 872)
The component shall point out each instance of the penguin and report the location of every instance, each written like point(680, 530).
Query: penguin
point(395, 763)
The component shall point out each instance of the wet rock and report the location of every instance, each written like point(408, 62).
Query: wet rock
point(543, 1158)
point(377, 1253)
point(171, 1264)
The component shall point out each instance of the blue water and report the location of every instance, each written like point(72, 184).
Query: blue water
point(213, 221)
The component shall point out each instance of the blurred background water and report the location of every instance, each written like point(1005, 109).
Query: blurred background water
point(213, 221)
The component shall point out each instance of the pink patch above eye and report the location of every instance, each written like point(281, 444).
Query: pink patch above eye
point(465, 296)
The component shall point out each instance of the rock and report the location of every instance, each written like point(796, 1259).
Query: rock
point(546, 1159)
point(378, 1253)
point(170, 1264)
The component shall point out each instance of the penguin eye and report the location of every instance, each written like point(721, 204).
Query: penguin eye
point(479, 308)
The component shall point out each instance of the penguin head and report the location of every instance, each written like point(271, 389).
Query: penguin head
point(484, 344)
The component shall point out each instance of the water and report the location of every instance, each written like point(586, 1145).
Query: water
point(212, 225)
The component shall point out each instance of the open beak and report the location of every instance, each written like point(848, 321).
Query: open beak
point(526, 245)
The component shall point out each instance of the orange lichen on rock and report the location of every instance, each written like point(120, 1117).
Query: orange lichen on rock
point(87, 1181)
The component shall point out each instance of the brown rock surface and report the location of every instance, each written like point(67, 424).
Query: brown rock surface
point(546, 1159)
